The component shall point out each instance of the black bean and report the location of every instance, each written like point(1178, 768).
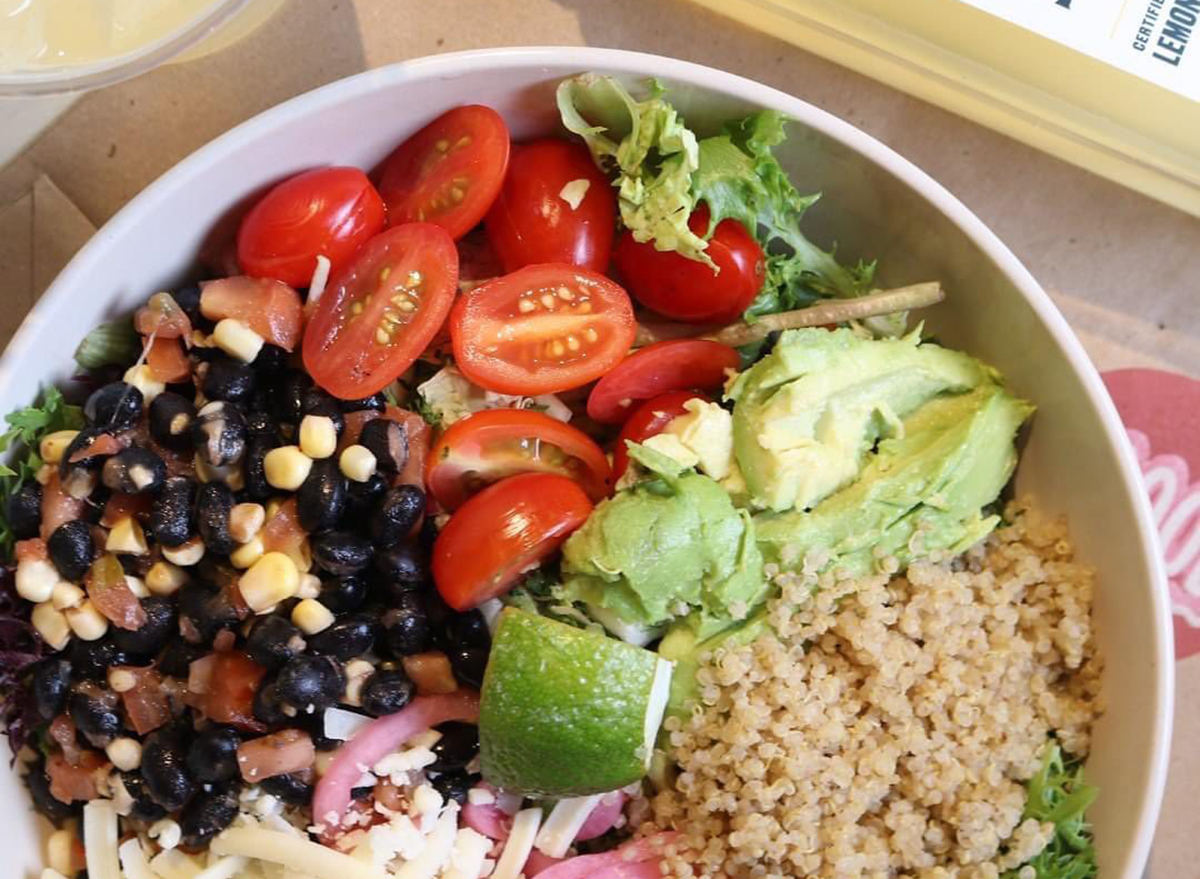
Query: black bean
point(457, 747)
point(362, 498)
point(268, 705)
point(178, 655)
point(322, 497)
point(219, 433)
point(50, 685)
point(351, 636)
point(388, 442)
point(290, 788)
point(271, 362)
point(162, 624)
point(273, 641)
point(207, 609)
point(406, 625)
point(144, 808)
point(95, 715)
point(45, 802)
point(25, 511)
point(228, 379)
point(343, 594)
point(71, 549)
point(468, 629)
point(171, 513)
point(341, 553)
point(134, 470)
point(165, 772)
point(91, 660)
point(171, 419)
point(316, 402)
point(400, 510)
point(188, 299)
point(214, 501)
point(386, 692)
point(79, 477)
point(254, 471)
point(377, 402)
point(259, 422)
point(469, 664)
point(210, 812)
point(454, 785)
point(316, 681)
point(212, 755)
point(403, 566)
point(115, 406)
point(289, 401)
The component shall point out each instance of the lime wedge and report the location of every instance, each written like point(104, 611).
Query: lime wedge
point(567, 712)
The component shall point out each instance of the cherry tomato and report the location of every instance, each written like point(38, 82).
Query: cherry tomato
point(328, 212)
point(502, 532)
point(531, 222)
point(647, 420)
point(491, 445)
point(381, 310)
point(449, 172)
point(689, 291)
point(542, 329)
point(664, 366)
point(271, 308)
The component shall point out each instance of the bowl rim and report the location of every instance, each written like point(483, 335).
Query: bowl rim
point(453, 64)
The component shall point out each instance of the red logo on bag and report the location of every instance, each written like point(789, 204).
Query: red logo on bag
point(1161, 412)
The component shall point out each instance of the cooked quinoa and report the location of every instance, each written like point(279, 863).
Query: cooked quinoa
point(888, 729)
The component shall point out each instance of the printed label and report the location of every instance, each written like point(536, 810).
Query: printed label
point(1161, 412)
point(1153, 39)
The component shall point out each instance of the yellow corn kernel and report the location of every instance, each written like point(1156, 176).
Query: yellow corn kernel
point(270, 580)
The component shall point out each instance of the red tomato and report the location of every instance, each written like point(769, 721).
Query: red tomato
point(163, 318)
point(541, 330)
point(449, 172)
point(230, 697)
point(419, 437)
point(491, 445)
point(664, 366)
point(502, 532)
point(376, 317)
point(270, 308)
point(648, 420)
point(167, 361)
point(686, 290)
point(327, 212)
point(531, 222)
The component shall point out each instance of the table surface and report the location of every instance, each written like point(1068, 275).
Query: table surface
point(1121, 266)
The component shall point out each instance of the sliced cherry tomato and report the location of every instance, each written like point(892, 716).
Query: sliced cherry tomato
point(271, 308)
point(541, 330)
point(230, 696)
point(327, 212)
point(496, 443)
point(449, 172)
point(647, 420)
point(674, 365)
point(167, 361)
point(379, 313)
point(502, 532)
point(687, 290)
point(532, 221)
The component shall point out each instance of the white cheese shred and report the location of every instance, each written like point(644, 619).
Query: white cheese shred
point(225, 868)
point(320, 278)
point(100, 840)
point(134, 862)
point(519, 845)
point(292, 852)
point(438, 846)
point(564, 822)
point(574, 191)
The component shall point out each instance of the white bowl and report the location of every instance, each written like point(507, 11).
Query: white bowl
point(876, 204)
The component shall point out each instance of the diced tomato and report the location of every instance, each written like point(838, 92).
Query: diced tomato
point(167, 361)
point(649, 419)
point(679, 364)
point(146, 705)
point(111, 595)
point(103, 445)
point(503, 531)
point(288, 750)
point(354, 425)
point(70, 783)
point(431, 672)
point(271, 308)
point(58, 506)
point(488, 446)
point(282, 532)
point(419, 438)
point(230, 697)
point(31, 550)
point(162, 318)
point(62, 731)
point(121, 506)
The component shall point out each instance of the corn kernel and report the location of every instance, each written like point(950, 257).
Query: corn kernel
point(247, 554)
point(36, 579)
point(357, 672)
point(124, 753)
point(186, 554)
point(53, 445)
point(121, 680)
point(311, 617)
point(127, 536)
point(137, 586)
point(357, 463)
point(310, 586)
point(245, 520)
point(164, 578)
point(318, 436)
point(60, 850)
point(143, 379)
point(237, 339)
point(66, 595)
point(270, 580)
point(52, 625)
point(286, 467)
point(87, 622)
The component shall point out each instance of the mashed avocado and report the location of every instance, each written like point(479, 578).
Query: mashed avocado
point(668, 547)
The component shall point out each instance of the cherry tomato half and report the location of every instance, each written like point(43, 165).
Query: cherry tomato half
point(327, 212)
point(647, 420)
point(449, 172)
point(542, 329)
point(674, 365)
point(532, 222)
point(502, 532)
point(271, 308)
point(689, 291)
point(379, 313)
point(491, 445)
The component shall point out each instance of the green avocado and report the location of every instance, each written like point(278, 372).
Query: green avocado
point(670, 546)
point(807, 415)
point(682, 646)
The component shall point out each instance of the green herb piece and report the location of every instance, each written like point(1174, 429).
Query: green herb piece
point(111, 344)
point(1057, 793)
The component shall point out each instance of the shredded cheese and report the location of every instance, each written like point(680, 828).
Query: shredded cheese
point(133, 860)
point(436, 853)
point(174, 864)
point(100, 840)
point(574, 191)
point(470, 851)
point(519, 845)
point(564, 822)
point(292, 852)
point(225, 868)
point(319, 279)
